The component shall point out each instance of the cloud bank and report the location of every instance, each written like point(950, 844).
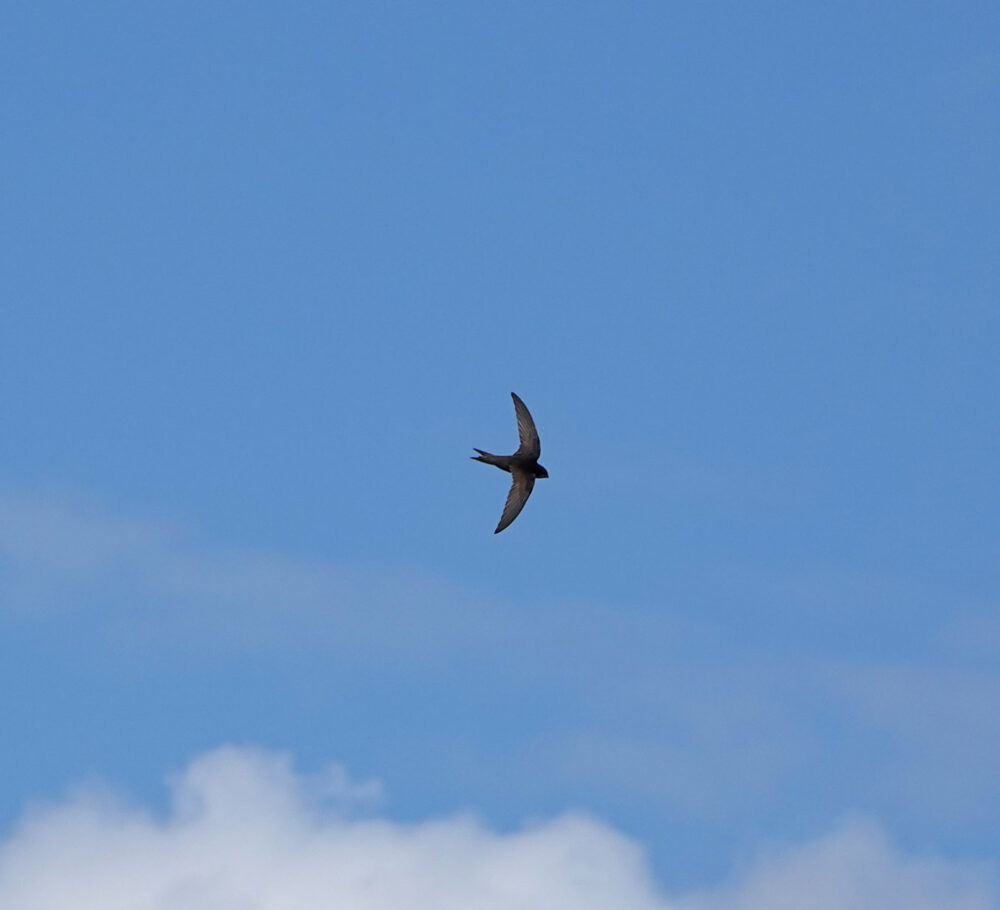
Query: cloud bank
point(245, 832)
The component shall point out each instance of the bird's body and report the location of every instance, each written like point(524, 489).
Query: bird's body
point(523, 465)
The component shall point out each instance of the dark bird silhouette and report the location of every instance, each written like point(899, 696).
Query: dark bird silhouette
point(522, 465)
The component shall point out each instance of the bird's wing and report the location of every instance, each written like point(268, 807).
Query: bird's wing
point(531, 446)
point(520, 490)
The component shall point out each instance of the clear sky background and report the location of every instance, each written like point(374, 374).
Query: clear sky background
point(269, 271)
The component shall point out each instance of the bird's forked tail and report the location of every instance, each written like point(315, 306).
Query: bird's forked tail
point(487, 458)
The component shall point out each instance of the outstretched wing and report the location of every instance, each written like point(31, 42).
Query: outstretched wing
point(531, 447)
point(520, 490)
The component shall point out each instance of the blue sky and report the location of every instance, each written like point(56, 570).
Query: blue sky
point(270, 271)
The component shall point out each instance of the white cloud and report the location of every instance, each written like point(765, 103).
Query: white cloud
point(244, 832)
point(854, 868)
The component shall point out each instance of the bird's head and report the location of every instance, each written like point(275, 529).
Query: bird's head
point(541, 472)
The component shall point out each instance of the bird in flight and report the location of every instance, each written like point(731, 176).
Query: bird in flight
point(522, 465)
